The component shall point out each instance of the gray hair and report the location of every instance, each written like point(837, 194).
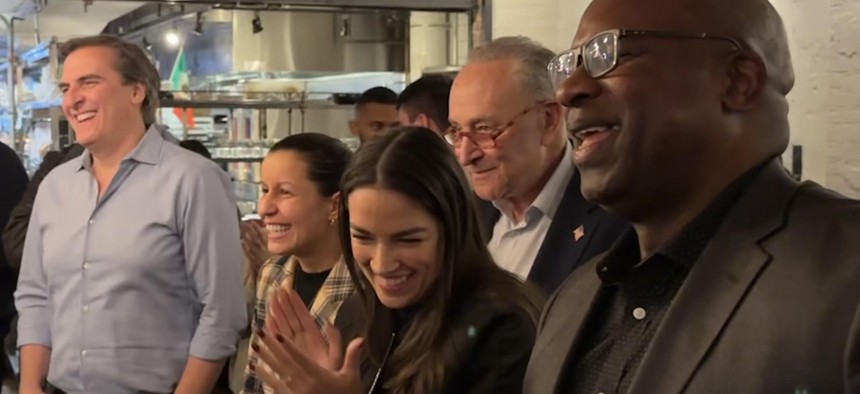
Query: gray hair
point(531, 57)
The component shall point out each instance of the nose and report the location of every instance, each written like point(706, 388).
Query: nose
point(383, 260)
point(265, 207)
point(72, 98)
point(468, 152)
point(578, 89)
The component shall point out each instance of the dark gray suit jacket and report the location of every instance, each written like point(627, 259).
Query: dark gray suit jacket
point(771, 306)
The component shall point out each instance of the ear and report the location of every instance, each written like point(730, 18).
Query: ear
point(353, 127)
point(423, 121)
point(138, 93)
point(334, 206)
point(747, 78)
point(552, 118)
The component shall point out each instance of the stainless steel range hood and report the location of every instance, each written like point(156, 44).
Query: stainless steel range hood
point(164, 11)
point(403, 5)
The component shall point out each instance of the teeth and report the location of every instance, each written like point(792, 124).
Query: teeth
point(85, 116)
point(595, 130)
point(393, 281)
point(276, 228)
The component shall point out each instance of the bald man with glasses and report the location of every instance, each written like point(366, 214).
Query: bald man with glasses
point(734, 278)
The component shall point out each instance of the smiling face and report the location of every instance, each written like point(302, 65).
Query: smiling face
point(96, 100)
point(486, 95)
point(296, 215)
point(654, 123)
point(395, 242)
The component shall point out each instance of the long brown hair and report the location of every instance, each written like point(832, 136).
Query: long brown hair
point(415, 162)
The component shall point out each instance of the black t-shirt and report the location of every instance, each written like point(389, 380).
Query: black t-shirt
point(308, 285)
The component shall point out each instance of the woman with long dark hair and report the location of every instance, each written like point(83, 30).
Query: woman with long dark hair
point(433, 313)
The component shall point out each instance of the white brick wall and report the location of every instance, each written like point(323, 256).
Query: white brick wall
point(824, 36)
point(843, 126)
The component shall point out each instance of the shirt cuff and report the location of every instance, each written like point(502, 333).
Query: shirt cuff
point(33, 331)
point(213, 344)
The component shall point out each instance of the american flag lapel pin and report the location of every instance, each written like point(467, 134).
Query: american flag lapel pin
point(578, 233)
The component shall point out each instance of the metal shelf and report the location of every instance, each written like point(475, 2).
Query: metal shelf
point(37, 54)
point(237, 159)
point(40, 104)
point(406, 5)
point(251, 103)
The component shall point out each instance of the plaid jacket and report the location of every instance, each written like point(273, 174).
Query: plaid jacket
point(277, 273)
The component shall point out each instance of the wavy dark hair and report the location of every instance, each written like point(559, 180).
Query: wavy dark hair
point(415, 162)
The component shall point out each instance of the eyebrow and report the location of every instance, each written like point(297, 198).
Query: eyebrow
point(403, 233)
point(82, 78)
point(276, 184)
point(474, 121)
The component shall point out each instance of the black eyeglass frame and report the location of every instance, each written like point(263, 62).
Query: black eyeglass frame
point(617, 34)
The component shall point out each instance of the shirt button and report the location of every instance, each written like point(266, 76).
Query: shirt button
point(86, 265)
point(83, 352)
point(92, 221)
point(639, 313)
point(86, 308)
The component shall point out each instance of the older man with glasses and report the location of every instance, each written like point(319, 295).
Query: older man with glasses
point(735, 278)
point(508, 132)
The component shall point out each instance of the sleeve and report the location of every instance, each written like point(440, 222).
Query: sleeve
point(213, 258)
point(500, 357)
point(31, 296)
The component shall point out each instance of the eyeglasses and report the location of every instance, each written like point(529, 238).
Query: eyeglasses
point(599, 54)
point(483, 135)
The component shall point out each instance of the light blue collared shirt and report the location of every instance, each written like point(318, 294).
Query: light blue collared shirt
point(125, 287)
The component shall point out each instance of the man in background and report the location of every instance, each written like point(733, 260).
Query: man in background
point(131, 272)
point(375, 113)
point(424, 103)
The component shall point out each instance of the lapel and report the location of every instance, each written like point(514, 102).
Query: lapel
point(560, 252)
point(489, 216)
point(336, 288)
point(716, 285)
point(558, 337)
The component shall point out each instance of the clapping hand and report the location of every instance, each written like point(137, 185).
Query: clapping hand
point(299, 357)
point(254, 245)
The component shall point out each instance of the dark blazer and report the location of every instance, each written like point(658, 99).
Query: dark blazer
point(560, 252)
point(19, 219)
point(13, 182)
point(771, 305)
point(487, 353)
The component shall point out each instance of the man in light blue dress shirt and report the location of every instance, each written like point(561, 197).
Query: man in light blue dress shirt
point(131, 278)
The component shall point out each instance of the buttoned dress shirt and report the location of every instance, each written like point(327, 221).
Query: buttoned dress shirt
point(515, 246)
point(123, 288)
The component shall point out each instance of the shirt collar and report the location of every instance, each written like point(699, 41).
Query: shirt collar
point(553, 191)
point(550, 197)
point(685, 248)
point(147, 150)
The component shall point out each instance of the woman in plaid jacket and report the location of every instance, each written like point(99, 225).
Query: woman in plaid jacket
point(299, 207)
